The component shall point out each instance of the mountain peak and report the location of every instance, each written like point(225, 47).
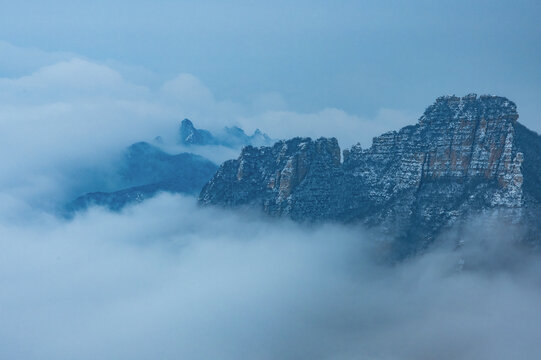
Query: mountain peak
point(189, 135)
point(187, 123)
point(470, 107)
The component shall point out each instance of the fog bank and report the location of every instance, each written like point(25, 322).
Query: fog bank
point(167, 279)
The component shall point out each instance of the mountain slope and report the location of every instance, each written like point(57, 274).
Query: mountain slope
point(465, 156)
point(147, 170)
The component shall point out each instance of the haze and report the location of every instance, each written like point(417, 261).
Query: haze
point(168, 279)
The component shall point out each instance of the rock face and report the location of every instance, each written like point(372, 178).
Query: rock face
point(464, 156)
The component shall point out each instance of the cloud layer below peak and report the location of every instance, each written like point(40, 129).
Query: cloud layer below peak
point(171, 280)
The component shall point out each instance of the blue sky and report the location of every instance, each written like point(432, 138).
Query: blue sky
point(357, 56)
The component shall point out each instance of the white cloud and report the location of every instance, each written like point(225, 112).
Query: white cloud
point(188, 89)
point(66, 117)
point(172, 280)
point(72, 79)
point(16, 60)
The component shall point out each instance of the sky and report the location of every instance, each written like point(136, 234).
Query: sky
point(356, 56)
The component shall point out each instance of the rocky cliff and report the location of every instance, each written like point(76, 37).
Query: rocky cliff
point(465, 156)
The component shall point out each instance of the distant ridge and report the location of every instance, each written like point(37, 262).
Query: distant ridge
point(147, 170)
point(232, 137)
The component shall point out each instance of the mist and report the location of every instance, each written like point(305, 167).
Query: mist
point(169, 279)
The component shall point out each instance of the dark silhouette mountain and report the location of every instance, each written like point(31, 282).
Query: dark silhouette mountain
point(146, 170)
point(465, 156)
point(233, 137)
